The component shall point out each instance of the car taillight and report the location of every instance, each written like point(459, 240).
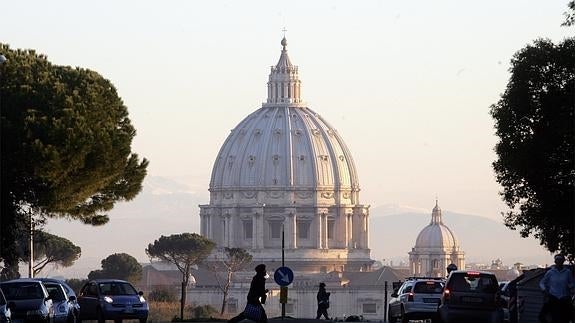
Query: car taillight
point(446, 295)
point(410, 297)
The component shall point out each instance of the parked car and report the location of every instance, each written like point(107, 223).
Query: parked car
point(63, 310)
point(28, 300)
point(72, 305)
point(471, 296)
point(416, 299)
point(112, 299)
point(5, 315)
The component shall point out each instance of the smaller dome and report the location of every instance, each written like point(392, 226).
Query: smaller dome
point(436, 234)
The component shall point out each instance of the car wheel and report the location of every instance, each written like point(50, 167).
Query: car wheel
point(71, 318)
point(143, 320)
point(118, 321)
point(404, 318)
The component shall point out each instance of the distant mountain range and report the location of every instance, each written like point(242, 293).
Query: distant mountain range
point(167, 206)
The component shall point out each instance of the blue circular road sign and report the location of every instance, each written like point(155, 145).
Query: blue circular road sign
point(283, 276)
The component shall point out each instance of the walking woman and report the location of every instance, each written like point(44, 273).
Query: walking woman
point(256, 297)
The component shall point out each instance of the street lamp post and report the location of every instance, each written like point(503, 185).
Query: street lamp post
point(2, 61)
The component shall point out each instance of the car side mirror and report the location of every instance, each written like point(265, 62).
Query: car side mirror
point(12, 306)
point(72, 298)
point(394, 295)
point(141, 293)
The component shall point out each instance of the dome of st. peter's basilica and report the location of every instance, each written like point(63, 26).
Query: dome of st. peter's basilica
point(284, 168)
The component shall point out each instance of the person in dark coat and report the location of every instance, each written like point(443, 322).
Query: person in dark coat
point(322, 302)
point(256, 296)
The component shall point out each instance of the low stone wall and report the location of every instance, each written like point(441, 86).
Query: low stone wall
point(344, 301)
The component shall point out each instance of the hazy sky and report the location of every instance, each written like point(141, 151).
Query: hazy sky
point(408, 84)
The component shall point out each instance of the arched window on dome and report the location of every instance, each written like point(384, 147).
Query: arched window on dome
point(435, 264)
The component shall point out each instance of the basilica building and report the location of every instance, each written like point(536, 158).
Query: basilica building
point(285, 171)
point(284, 176)
point(435, 248)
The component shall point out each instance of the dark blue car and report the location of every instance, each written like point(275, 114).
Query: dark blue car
point(112, 299)
point(28, 300)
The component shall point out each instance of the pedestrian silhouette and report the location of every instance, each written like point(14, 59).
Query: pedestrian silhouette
point(557, 285)
point(256, 297)
point(450, 268)
point(322, 302)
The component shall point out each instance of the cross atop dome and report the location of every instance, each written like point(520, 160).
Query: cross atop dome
point(284, 85)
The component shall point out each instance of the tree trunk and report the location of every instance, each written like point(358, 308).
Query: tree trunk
point(224, 301)
point(183, 300)
point(226, 290)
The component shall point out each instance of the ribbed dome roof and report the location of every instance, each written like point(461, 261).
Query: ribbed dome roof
point(436, 234)
point(284, 145)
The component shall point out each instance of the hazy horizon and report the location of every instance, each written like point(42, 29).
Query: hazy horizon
point(408, 85)
point(393, 228)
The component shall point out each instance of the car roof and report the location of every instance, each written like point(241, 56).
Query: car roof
point(439, 279)
point(22, 280)
point(472, 271)
point(109, 281)
point(51, 280)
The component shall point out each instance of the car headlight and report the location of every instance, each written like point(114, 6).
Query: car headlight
point(142, 299)
point(108, 299)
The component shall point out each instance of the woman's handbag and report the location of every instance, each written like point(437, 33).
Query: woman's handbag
point(253, 312)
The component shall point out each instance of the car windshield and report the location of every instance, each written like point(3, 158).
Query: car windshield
point(473, 282)
point(116, 288)
point(428, 287)
point(22, 290)
point(55, 292)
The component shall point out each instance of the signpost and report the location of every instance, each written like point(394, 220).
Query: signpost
point(283, 276)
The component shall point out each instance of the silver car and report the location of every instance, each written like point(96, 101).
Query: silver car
point(63, 307)
point(72, 299)
point(416, 299)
